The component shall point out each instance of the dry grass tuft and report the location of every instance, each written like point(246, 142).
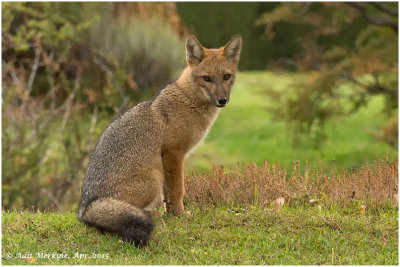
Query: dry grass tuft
point(262, 185)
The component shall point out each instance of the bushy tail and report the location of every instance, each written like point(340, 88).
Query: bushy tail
point(116, 216)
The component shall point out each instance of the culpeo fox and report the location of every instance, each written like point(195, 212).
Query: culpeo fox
point(138, 161)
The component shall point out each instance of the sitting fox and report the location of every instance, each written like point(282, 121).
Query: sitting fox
point(138, 161)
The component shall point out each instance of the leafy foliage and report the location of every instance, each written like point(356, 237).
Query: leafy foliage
point(58, 70)
point(345, 48)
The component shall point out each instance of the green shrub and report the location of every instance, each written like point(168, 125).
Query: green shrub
point(147, 49)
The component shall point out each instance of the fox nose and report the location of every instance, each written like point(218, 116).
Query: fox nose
point(222, 100)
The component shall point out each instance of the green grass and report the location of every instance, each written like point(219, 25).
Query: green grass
point(301, 234)
point(245, 131)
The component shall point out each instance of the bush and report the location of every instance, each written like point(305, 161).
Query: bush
point(343, 46)
point(67, 66)
point(148, 50)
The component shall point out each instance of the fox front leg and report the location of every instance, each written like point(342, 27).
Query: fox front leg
point(174, 187)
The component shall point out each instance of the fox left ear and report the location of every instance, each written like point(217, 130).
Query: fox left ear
point(232, 48)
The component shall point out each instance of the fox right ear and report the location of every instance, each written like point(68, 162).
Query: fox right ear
point(194, 50)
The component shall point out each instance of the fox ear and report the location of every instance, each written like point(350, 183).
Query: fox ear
point(194, 50)
point(232, 48)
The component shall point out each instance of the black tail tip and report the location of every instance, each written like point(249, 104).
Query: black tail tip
point(138, 232)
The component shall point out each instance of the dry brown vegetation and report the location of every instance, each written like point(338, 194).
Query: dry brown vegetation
point(263, 185)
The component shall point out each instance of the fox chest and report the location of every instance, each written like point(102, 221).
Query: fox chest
point(185, 136)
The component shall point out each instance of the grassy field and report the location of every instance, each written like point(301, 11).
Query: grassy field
point(245, 131)
point(259, 216)
point(307, 234)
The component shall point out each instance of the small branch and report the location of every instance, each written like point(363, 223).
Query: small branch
point(380, 21)
point(94, 120)
point(92, 128)
point(384, 8)
point(373, 89)
point(350, 78)
point(9, 68)
point(48, 62)
point(119, 110)
point(112, 76)
point(70, 101)
point(103, 67)
point(52, 91)
point(47, 58)
point(34, 69)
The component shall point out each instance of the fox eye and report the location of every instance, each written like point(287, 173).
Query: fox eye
point(207, 78)
point(227, 76)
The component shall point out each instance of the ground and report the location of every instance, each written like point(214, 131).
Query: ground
point(306, 234)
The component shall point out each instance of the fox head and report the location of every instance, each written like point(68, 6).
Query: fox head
point(213, 70)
